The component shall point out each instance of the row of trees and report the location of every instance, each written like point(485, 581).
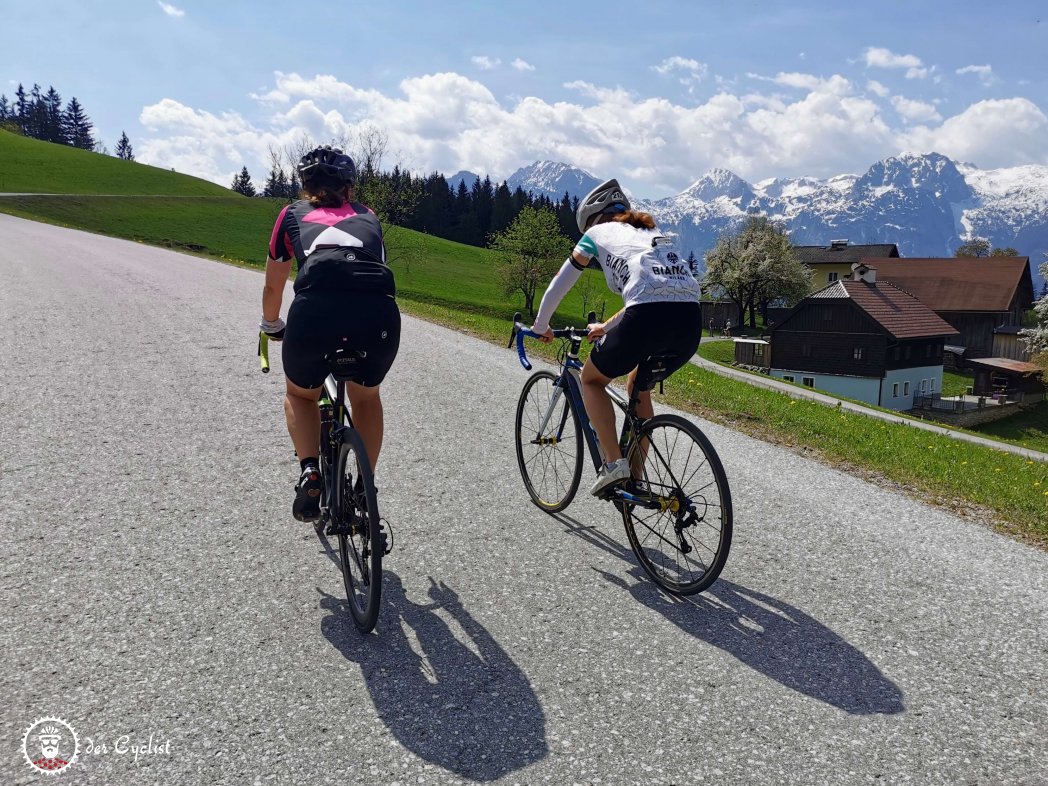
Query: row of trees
point(41, 116)
point(428, 204)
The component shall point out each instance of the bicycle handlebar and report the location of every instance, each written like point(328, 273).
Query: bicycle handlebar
point(263, 351)
point(521, 331)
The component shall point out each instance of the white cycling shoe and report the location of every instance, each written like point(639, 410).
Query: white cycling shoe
point(611, 475)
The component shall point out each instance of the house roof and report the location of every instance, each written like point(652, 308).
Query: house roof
point(898, 312)
point(843, 254)
point(1007, 366)
point(960, 284)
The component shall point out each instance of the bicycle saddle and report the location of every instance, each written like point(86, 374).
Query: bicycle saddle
point(343, 363)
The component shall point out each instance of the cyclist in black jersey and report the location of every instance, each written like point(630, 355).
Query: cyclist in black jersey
point(344, 297)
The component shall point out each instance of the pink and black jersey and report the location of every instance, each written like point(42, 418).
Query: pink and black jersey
point(337, 248)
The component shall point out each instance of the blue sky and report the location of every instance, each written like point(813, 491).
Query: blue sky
point(655, 92)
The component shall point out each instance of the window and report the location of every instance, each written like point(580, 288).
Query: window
point(895, 390)
point(758, 350)
point(931, 385)
point(831, 276)
point(906, 388)
point(859, 353)
point(808, 381)
point(924, 386)
point(928, 350)
point(908, 349)
point(787, 377)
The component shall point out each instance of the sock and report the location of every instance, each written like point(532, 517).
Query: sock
point(312, 461)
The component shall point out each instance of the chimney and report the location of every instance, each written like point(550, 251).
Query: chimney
point(837, 245)
point(861, 272)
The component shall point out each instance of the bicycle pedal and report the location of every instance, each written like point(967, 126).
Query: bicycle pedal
point(386, 534)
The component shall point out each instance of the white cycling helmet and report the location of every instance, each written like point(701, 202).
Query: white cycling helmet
point(605, 198)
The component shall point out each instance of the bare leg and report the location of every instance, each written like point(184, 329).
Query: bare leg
point(600, 410)
point(368, 420)
point(303, 419)
point(645, 410)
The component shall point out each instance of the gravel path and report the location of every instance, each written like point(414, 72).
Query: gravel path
point(154, 582)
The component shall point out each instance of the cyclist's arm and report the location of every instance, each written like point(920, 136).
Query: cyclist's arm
point(273, 292)
point(561, 284)
point(278, 268)
point(607, 325)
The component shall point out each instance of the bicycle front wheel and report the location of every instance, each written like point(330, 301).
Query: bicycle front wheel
point(361, 542)
point(549, 442)
point(680, 523)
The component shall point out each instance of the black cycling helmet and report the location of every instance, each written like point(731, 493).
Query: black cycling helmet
point(605, 198)
point(327, 165)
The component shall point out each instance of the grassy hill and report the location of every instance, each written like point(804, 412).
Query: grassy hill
point(29, 165)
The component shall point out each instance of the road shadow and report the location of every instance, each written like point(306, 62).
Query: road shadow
point(463, 705)
point(767, 634)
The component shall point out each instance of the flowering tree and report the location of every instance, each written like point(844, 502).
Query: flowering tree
point(1036, 338)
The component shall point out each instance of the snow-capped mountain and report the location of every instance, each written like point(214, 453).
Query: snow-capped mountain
point(553, 178)
point(927, 204)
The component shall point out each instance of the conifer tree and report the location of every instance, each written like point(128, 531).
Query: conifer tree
point(78, 126)
point(242, 183)
point(54, 127)
point(123, 148)
point(21, 107)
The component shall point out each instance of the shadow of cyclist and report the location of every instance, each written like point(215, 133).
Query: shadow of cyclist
point(767, 634)
point(466, 708)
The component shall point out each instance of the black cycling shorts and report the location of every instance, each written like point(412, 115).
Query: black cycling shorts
point(318, 323)
point(671, 329)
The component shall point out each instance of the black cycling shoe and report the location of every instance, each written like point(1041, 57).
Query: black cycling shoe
point(307, 495)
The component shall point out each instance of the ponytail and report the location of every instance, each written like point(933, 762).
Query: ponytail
point(635, 218)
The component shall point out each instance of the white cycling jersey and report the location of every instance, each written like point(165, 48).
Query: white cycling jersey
point(639, 264)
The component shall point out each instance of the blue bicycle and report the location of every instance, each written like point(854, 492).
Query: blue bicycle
point(676, 507)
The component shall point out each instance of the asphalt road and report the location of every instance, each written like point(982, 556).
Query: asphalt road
point(154, 583)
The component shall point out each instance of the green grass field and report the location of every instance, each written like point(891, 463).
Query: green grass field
point(29, 165)
point(457, 285)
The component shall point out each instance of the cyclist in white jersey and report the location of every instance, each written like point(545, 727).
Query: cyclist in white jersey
point(661, 315)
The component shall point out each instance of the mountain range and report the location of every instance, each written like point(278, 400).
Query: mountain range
point(927, 204)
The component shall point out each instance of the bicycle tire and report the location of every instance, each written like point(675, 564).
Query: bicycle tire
point(360, 551)
point(658, 537)
point(551, 473)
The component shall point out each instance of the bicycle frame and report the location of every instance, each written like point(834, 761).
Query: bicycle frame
point(569, 383)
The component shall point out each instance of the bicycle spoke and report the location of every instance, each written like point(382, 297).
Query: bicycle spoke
point(681, 537)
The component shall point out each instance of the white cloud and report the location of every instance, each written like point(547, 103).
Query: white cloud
point(485, 63)
point(448, 121)
point(879, 57)
point(877, 88)
point(915, 111)
point(522, 65)
point(687, 71)
point(993, 133)
point(170, 10)
point(984, 72)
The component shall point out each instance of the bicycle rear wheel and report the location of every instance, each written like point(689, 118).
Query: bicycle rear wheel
point(361, 541)
point(680, 527)
point(550, 461)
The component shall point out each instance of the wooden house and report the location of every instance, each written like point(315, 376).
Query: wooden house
point(1007, 343)
point(834, 262)
point(975, 295)
point(863, 339)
